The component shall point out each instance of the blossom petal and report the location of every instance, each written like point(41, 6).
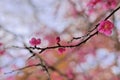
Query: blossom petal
point(105, 27)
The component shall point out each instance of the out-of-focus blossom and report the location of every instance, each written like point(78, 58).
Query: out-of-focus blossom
point(92, 3)
point(2, 51)
point(34, 41)
point(109, 4)
point(1, 44)
point(106, 4)
point(61, 50)
point(56, 76)
point(105, 27)
point(57, 39)
point(70, 74)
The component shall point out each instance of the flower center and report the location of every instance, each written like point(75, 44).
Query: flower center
point(106, 27)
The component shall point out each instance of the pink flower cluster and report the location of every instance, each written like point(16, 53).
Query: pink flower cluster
point(109, 4)
point(105, 27)
point(35, 42)
point(105, 4)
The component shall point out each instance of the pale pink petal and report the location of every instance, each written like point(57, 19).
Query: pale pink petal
point(38, 41)
point(35, 41)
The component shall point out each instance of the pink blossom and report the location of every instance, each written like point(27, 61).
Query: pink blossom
point(92, 3)
point(2, 52)
point(61, 50)
point(57, 39)
point(105, 4)
point(110, 4)
point(105, 27)
point(1, 44)
point(35, 41)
